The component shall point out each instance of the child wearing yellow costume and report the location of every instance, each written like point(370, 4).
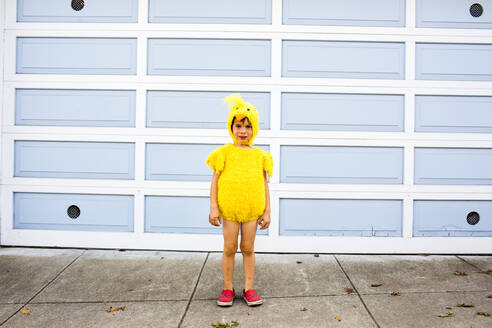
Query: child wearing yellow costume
point(239, 195)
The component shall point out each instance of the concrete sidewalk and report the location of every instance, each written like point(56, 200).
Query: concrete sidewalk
point(74, 288)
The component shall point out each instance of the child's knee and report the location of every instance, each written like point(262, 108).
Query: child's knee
point(247, 250)
point(230, 249)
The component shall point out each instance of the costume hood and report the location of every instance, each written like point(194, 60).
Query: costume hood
point(240, 109)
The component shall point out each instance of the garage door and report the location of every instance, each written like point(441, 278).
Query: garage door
point(378, 115)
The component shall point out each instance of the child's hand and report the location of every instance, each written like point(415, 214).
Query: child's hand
point(264, 220)
point(214, 217)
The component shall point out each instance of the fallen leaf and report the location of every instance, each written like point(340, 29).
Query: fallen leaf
point(225, 325)
point(81, 270)
point(349, 290)
point(376, 285)
point(460, 273)
point(395, 293)
point(485, 314)
point(131, 290)
point(448, 308)
point(446, 315)
point(298, 262)
point(304, 309)
point(485, 272)
point(338, 318)
point(466, 305)
point(316, 255)
point(116, 308)
point(490, 296)
point(315, 295)
point(25, 310)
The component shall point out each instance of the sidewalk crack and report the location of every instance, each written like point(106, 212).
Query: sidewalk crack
point(469, 263)
point(194, 290)
point(358, 294)
point(43, 288)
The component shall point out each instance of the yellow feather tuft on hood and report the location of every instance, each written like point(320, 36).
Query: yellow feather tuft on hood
point(234, 100)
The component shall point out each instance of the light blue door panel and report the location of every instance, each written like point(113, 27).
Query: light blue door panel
point(342, 112)
point(73, 212)
point(335, 59)
point(348, 165)
point(457, 62)
point(453, 114)
point(211, 11)
point(111, 56)
point(179, 162)
point(453, 166)
point(453, 14)
point(177, 214)
point(335, 217)
point(75, 107)
point(451, 218)
point(172, 214)
point(199, 109)
point(64, 159)
point(209, 57)
point(351, 12)
point(93, 11)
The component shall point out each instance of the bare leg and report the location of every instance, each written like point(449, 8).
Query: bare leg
point(230, 231)
point(248, 234)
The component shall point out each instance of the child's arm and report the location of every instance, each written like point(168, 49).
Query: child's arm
point(264, 220)
point(214, 215)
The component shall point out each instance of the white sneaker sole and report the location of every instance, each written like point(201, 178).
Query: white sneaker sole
point(255, 303)
point(224, 303)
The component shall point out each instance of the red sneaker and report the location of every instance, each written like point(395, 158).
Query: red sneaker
point(251, 297)
point(226, 298)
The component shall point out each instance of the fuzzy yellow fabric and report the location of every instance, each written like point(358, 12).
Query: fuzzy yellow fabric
point(241, 184)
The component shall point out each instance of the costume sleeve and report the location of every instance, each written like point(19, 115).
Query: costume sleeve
point(268, 163)
point(216, 160)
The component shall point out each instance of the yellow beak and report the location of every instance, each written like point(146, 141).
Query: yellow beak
point(239, 117)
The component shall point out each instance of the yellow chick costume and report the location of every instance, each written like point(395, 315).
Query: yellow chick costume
point(241, 185)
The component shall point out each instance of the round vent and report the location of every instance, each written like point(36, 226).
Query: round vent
point(73, 211)
point(476, 10)
point(472, 218)
point(77, 5)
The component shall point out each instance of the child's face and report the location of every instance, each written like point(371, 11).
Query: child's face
point(242, 130)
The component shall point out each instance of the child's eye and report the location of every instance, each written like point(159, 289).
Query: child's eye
point(248, 126)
